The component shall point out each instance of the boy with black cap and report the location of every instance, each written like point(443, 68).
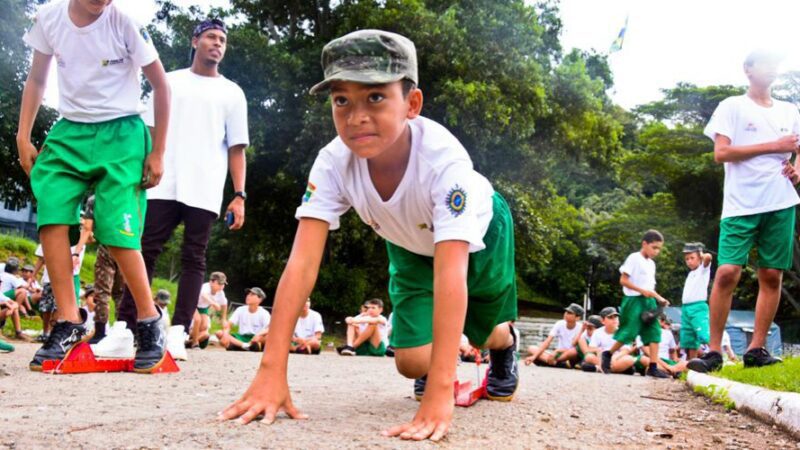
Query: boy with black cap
point(449, 236)
point(694, 308)
point(603, 339)
point(253, 323)
point(564, 331)
point(206, 140)
point(101, 142)
point(582, 341)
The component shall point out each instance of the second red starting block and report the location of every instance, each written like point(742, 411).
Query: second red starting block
point(82, 360)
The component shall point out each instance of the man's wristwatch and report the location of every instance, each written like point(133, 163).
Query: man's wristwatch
point(241, 194)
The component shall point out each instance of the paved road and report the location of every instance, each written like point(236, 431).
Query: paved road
point(350, 401)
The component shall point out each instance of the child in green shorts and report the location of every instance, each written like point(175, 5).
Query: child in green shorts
point(100, 143)
point(449, 236)
point(366, 333)
point(638, 280)
point(694, 309)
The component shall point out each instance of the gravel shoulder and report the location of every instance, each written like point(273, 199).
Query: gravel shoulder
point(350, 400)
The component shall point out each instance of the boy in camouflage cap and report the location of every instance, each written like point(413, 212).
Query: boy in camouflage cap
point(450, 237)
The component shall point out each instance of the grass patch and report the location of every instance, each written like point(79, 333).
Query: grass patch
point(718, 395)
point(779, 377)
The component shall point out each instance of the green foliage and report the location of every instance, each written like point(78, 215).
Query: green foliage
point(783, 377)
point(716, 394)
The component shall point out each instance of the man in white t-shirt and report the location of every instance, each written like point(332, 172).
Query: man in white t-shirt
point(308, 331)
point(755, 136)
point(252, 321)
point(694, 308)
point(211, 298)
point(563, 332)
point(206, 140)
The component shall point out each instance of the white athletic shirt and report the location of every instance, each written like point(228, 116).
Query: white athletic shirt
point(9, 282)
point(75, 271)
point(219, 297)
point(726, 339)
point(564, 335)
point(601, 339)
point(696, 287)
point(667, 343)
point(208, 115)
point(250, 323)
point(641, 272)
point(755, 185)
point(439, 198)
point(308, 326)
point(98, 65)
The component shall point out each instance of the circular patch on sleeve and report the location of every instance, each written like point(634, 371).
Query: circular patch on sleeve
point(456, 201)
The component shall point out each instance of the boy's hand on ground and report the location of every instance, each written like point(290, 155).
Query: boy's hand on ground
point(264, 396)
point(153, 170)
point(27, 156)
point(432, 420)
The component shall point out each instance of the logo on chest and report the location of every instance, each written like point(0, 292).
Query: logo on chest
point(112, 62)
point(750, 128)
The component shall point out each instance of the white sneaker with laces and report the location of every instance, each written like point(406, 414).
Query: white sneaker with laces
point(118, 343)
point(176, 338)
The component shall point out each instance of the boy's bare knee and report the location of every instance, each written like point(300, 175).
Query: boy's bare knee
point(728, 275)
point(770, 278)
point(413, 362)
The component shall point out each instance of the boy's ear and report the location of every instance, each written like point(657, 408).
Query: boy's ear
point(415, 101)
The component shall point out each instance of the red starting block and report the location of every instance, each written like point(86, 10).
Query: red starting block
point(82, 360)
point(465, 394)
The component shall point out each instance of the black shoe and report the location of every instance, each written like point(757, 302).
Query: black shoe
point(151, 340)
point(503, 378)
point(42, 338)
point(588, 367)
point(629, 371)
point(340, 348)
point(99, 332)
point(709, 362)
point(562, 365)
point(389, 351)
point(655, 372)
point(605, 362)
point(419, 387)
point(348, 351)
point(63, 338)
point(759, 357)
point(254, 347)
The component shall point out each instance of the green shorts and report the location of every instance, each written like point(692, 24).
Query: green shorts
point(630, 322)
point(491, 286)
point(243, 337)
point(366, 349)
point(694, 325)
point(108, 156)
point(581, 355)
point(771, 232)
point(76, 281)
point(11, 293)
point(669, 362)
point(637, 363)
point(203, 310)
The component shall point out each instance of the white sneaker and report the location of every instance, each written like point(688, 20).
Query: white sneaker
point(118, 343)
point(176, 338)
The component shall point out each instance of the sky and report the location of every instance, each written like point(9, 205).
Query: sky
point(667, 41)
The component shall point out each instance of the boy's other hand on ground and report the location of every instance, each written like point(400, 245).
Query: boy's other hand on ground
point(153, 170)
point(267, 395)
point(432, 420)
point(27, 155)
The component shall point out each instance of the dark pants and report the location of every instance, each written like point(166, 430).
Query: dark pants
point(163, 216)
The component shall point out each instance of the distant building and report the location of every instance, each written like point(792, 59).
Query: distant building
point(18, 218)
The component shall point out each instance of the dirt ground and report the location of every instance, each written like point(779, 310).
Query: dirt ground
point(350, 401)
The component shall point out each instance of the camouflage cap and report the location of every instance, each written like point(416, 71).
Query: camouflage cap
point(368, 57)
point(163, 296)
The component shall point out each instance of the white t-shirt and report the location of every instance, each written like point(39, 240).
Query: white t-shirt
point(564, 335)
point(696, 287)
point(310, 325)
point(9, 282)
point(98, 65)
point(667, 343)
point(250, 323)
point(208, 115)
point(726, 339)
point(219, 297)
point(75, 271)
point(439, 198)
point(641, 272)
point(755, 185)
point(602, 339)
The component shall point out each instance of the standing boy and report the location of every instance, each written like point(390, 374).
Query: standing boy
point(755, 136)
point(638, 280)
point(448, 234)
point(100, 142)
point(694, 311)
point(564, 331)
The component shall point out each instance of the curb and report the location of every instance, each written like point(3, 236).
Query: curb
point(773, 407)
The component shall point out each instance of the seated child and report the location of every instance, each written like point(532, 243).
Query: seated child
point(34, 288)
point(603, 339)
point(369, 340)
point(308, 331)
point(253, 323)
point(582, 340)
point(162, 299)
point(87, 304)
point(12, 289)
point(667, 360)
point(212, 296)
point(565, 330)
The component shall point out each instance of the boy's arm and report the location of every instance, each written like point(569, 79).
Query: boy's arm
point(450, 261)
point(269, 391)
point(542, 347)
point(625, 281)
point(725, 152)
point(32, 96)
point(707, 258)
point(154, 165)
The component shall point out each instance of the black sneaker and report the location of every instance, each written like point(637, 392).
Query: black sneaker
point(151, 345)
point(655, 372)
point(348, 351)
point(588, 367)
point(759, 357)
point(709, 362)
point(503, 378)
point(99, 332)
point(605, 362)
point(62, 339)
point(390, 351)
point(419, 387)
point(42, 338)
